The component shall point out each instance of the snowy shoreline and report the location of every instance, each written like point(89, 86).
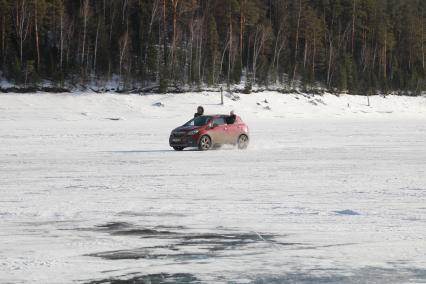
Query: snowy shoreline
point(264, 104)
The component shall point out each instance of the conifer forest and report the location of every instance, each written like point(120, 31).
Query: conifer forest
point(355, 46)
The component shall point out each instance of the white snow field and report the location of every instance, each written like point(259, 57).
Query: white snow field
point(330, 191)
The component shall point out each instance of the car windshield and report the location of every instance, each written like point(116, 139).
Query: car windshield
point(198, 121)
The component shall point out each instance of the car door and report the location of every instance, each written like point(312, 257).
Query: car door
point(219, 130)
point(233, 131)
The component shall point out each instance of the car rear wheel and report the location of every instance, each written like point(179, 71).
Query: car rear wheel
point(205, 143)
point(243, 142)
point(178, 148)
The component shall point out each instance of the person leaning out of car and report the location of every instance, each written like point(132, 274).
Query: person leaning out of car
point(231, 118)
point(200, 112)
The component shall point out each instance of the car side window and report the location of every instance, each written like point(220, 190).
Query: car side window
point(219, 121)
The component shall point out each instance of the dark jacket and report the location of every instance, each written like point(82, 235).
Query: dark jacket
point(231, 119)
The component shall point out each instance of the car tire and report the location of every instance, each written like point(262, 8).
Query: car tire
point(178, 148)
point(243, 142)
point(205, 143)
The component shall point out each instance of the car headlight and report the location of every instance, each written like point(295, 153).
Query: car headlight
point(193, 132)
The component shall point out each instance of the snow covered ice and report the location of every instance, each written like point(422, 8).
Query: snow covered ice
point(330, 191)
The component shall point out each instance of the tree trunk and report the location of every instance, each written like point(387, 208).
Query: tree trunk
point(353, 25)
point(256, 39)
point(124, 47)
point(223, 55)
point(155, 8)
point(297, 41)
point(242, 6)
point(88, 56)
point(313, 59)
point(259, 41)
point(385, 59)
point(305, 57)
point(274, 59)
point(22, 26)
point(123, 50)
point(36, 32)
point(3, 42)
point(157, 76)
point(85, 14)
point(175, 4)
point(123, 11)
point(165, 32)
point(423, 45)
point(330, 57)
point(111, 26)
point(230, 46)
point(200, 45)
point(191, 48)
point(62, 35)
point(96, 47)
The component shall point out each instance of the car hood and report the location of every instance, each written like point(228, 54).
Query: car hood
point(186, 128)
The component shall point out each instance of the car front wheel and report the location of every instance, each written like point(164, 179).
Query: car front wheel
point(243, 142)
point(205, 143)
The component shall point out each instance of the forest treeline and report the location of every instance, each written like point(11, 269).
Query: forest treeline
point(360, 46)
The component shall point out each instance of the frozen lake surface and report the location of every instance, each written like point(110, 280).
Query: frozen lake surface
point(328, 192)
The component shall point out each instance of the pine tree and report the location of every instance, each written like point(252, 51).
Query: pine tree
point(213, 55)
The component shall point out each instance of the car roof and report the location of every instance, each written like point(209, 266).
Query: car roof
point(216, 115)
point(213, 116)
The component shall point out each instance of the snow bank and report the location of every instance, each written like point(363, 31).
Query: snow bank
point(261, 105)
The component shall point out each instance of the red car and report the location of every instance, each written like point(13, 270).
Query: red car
point(209, 131)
